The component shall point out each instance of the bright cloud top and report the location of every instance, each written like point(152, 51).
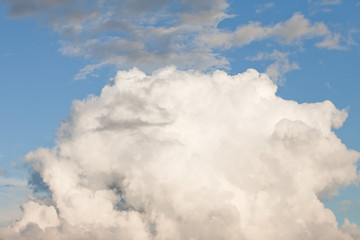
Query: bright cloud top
point(188, 155)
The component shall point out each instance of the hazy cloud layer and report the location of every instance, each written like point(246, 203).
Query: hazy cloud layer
point(3, 171)
point(330, 2)
point(187, 155)
point(12, 189)
point(263, 7)
point(153, 34)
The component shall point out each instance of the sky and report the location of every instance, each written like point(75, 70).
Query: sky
point(59, 64)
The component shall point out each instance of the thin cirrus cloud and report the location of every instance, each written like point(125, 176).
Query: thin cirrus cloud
point(10, 189)
point(330, 2)
point(264, 7)
point(148, 159)
point(158, 33)
point(3, 171)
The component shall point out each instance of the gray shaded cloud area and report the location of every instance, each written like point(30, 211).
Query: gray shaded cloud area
point(154, 34)
point(3, 171)
point(127, 33)
point(187, 155)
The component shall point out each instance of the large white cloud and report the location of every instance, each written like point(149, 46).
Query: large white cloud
point(188, 155)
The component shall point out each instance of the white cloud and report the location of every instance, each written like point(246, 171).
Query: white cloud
point(277, 70)
point(12, 192)
point(264, 7)
point(328, 85)
point(12, 182)
point(331, 42)
point(187, 155)
point(346, 202)
point(298, 27)
point(330, 2)
point(292, 31)
point(3, 171)
point(89, 69)
point(33, 212)
point(136, 33)
point(324, 6)
point(351, 228)
point(145, 34)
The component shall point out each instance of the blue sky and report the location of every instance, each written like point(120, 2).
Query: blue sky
point(42, 69)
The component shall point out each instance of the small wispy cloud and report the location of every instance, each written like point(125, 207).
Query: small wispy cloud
point(346, 202)
point(328, 85)
point(332, 41)
point(12, 182)
point(3, 171)
point(281, 65)
point(323, 6)
point(264, 7)
point(293, 31)
point(330, 2)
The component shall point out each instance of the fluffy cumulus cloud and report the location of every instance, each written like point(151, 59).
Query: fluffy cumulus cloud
point(153, 34)
point(187, 155)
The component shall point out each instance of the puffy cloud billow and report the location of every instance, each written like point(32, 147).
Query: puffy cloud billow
point(186, 155)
